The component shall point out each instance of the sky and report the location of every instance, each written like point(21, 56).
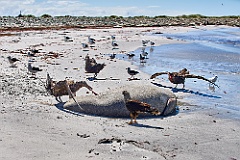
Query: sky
point(123, 8)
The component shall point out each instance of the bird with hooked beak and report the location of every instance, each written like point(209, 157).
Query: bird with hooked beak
point(135, 107)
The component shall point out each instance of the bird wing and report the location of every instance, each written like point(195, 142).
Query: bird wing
point(199, 77)
point(135, 105)
point(157, 74)
point(36, 69)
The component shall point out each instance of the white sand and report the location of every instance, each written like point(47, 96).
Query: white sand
point(32, 127)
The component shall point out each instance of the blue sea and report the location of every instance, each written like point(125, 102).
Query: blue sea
point(205, 53)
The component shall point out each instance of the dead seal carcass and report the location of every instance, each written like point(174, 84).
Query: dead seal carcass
point(111, 103)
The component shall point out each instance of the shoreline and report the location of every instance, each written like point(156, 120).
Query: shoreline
point(34, 128)
point(47, 21)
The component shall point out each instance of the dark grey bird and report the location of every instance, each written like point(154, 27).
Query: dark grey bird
point(130, 55)
point(68, 39)
point(12, 61)
point(145, 42)
point(32, 69)
point(144, 53)
point(32, 53)
point(114, 44)
point(142, 58)
point(91, 40)
point(112, 56)
point(113, 37)
point(152, 43)
point(132, 72)
point(84, 45)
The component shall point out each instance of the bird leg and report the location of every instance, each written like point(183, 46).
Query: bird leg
point(133, 118)
point(95, 75)
point(58, 98)
point(94, 93)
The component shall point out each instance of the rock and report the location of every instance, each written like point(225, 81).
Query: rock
point(111, 103)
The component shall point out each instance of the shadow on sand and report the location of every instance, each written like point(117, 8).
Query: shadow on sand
point(186, 91)
point(60, 107)
point(146, 126)
point(99, 79)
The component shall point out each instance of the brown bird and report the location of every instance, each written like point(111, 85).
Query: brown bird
point(136, 107)
point(179, 77)
point(60, 88)
point(91, 66)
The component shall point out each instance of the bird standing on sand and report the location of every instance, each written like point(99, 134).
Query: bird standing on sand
point(68, 39)
point(113, 37)
point(84, 45)
point(91, 40)
point(32, 69)
point(136, 107)
point(91, 66)
point(145, 42)
point(213, 79)
point(114, 44)
point(132, 72)
point(12, 60)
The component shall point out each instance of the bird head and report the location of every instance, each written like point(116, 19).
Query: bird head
point(87, 57)
point(126, 95)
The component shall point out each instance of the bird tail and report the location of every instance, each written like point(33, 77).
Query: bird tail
point(153, 111)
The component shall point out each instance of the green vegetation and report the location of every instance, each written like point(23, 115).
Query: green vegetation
point(137, 17)
point(192, 16)
point(46, 16)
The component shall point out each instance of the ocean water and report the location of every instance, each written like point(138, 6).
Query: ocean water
point(205, 53)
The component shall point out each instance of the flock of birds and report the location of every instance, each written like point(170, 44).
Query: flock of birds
point(135, 107)
point(31, 69)
point(143, 55)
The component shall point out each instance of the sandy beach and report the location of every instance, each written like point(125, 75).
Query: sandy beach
point(33, 126)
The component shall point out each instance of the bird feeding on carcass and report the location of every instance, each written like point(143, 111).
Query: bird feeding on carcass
point(66, 87)
point(136, 107)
